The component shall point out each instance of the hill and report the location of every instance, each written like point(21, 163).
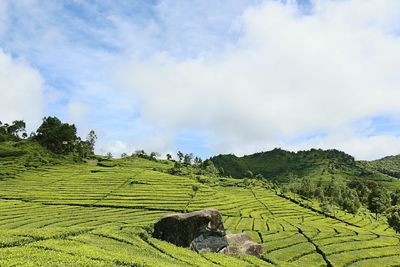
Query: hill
point(22, 155)
point(283, 166)
point(79, 214)
point(388, 165)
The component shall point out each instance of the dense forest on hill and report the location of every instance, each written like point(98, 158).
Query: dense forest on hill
point(283, 166)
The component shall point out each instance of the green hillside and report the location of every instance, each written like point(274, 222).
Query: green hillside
point(283, 166)
point(87, 214)
point(388, 165)
point(23, 155)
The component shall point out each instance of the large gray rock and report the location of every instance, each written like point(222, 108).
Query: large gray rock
point(183, 229)
point(203, 231)
point(209, 242)
point(241, 244)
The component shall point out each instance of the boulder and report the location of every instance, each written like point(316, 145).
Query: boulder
point(183, 229)
point(209, 242)
point(203, 231)
point(241, 244)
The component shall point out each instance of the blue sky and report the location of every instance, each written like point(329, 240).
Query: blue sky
point(207, 77)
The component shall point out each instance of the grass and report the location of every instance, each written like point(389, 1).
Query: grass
point(77, 214)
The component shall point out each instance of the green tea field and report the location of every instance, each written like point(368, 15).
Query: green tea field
point(87, 215)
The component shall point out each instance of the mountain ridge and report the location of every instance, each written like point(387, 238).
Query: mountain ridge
point(282, 166)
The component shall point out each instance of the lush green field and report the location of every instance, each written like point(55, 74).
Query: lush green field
point(87, 215)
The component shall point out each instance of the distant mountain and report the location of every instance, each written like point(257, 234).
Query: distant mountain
point(282, 166)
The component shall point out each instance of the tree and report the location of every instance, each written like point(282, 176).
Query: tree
point(124, 155)
point(350, 201)
point(333, 191)
point(139, 153)
point(393, 218)
point(109, 155)
point(210, 168)
point(197, 161)
point(395, 196)
point(180, 156)
point(154, 155)
point(169, 157)
point(16, 128)
point(378, 201)
point(307, 187)
point(363, 187)
point(319, 190)
point(187, 159)
point(12, 132)
point(57, 136)
point(91, 139)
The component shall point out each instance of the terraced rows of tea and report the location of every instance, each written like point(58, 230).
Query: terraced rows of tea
point(84, 215)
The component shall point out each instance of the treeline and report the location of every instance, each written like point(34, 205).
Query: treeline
point(56, 136)
point(186, 164)
point(13, 132)
point(349, 197)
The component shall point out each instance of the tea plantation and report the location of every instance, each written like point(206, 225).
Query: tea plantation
point(88, 215)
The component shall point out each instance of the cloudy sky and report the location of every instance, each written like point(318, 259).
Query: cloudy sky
point(207, 76)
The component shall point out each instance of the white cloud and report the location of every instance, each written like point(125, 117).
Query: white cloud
point(78, 112)
point(288, 74)
point(359, 146)
point(21, 90)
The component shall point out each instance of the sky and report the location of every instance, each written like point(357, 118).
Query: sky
point(207, 76)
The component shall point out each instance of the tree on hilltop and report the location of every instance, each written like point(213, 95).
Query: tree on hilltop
point(187, 158)
point(180, 156)
point(14, 131)
point(57, 136)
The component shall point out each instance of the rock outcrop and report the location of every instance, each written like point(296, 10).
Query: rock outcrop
point(241, 244)
point(182, 229)
point(203, 231)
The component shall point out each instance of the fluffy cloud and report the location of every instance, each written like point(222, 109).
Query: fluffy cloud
point(21, 90)
point(78, 112)
point(290, 73)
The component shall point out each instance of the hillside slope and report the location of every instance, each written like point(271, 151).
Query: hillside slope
point(388, 165)
point(85, 215)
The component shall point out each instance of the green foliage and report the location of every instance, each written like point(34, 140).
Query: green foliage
point(12, 132)
point(393, 218)
point(388, 165)
point(279, 164)
point(180, 156)
point(154, 155)
point(363, 188)
point(350, 201)
point(195, 187)
point(307, 187)
point(395, 197)
point(378, 201)
point(56, 136)
point(188, 158)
